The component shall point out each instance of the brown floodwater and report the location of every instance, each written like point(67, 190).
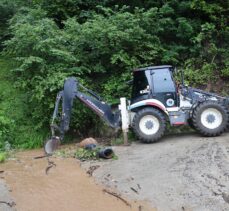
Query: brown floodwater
point(65, 187)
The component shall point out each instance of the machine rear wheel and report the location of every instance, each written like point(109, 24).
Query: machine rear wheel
point(210, 118)
point(149, 124)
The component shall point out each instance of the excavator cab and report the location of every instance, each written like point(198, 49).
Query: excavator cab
point(155, 82)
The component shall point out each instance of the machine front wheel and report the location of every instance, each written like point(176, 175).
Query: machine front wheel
point(149, 124)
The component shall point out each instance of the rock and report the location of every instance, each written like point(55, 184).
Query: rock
point(87, 141)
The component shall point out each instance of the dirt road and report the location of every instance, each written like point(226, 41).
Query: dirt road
point(184, 172)
point(65, 187)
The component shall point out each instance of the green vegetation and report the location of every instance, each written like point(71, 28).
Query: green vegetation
point(85, 154)
point(81, 153)
point(2, 157)
point(16, 127)
point(100, 42)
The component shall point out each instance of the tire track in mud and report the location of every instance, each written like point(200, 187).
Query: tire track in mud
point(178, 173)
point(205, 172)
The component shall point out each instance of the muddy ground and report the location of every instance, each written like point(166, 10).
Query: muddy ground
point(29, 184)
point(182, 172)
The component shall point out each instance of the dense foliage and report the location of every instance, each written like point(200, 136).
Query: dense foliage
point(100, 42)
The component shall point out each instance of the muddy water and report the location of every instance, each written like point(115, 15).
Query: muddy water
point(65, 187)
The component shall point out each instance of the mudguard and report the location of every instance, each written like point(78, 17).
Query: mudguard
point(149, 102)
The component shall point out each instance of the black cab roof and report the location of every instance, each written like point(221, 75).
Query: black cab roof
point(155, 68)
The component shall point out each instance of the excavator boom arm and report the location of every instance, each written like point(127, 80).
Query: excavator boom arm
point(92, 101)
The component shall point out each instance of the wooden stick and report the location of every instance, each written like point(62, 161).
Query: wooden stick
point(10, 204)
point(125, 138)
point(41, 156)
point(117, 196)
point(133, 189)
point(50, 165)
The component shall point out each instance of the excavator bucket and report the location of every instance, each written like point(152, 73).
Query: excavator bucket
point(51, 145)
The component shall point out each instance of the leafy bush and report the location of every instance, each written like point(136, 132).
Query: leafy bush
point(85, 154)
point(16, 126)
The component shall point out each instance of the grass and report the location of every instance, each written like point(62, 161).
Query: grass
point(79, 153)
point(2, 157)
point(117, 141)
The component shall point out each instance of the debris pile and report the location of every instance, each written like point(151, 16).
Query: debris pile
point(89, 149)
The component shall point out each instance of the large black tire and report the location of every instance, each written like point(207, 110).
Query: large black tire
point(149, 124)
point(210, 118)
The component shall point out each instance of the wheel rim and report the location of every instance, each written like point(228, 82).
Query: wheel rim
point(211, 118)
point(149, 125)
